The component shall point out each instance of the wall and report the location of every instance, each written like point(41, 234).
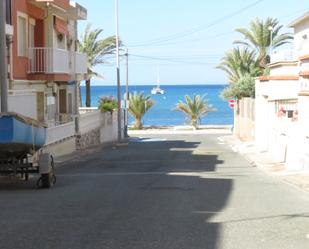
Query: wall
point(301, 38)
point(95, 128)
point(244, 119)
point(20, 69)
point(24, 104)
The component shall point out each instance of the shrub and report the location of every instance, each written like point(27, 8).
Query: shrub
point(107, 104)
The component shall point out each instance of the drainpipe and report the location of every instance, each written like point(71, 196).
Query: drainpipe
point(3, 59)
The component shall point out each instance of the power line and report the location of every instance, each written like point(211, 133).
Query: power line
point(162, 44)
point(195, 30)
point(172, 60)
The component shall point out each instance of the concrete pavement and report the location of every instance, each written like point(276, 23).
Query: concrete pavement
point(160, 191)
point(265, 161)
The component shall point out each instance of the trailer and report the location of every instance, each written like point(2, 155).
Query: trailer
point(21, 153)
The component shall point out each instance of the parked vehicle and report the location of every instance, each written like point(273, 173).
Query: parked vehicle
point(21, 142)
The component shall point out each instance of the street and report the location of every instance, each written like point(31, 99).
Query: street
point(160, 191)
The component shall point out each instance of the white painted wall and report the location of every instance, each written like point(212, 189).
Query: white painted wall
point(301, 38)
point(105, 121)
point(281, 89)
point(24, 104)
point(285, 70)
point(261, 116)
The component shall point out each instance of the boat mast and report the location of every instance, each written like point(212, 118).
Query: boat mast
point(158, 77)
point(3, 61)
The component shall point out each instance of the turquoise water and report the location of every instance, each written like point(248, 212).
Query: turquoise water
point(163, 112)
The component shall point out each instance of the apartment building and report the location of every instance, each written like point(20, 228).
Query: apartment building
point(44, 63)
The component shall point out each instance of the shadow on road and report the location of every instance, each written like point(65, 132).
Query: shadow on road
point(152, 194)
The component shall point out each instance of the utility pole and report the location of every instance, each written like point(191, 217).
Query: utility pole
point(118, 73)
point(3, 58)
point(127, 93)
point(271, 29)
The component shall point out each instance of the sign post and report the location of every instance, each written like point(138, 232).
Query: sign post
point(232, 103)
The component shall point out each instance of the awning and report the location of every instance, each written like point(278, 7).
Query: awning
point(61, 26)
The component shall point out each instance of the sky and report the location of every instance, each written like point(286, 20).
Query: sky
point(184, 39)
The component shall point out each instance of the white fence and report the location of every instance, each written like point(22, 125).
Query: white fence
point(58, 133)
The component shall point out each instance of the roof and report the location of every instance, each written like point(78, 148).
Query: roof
point(299, 20)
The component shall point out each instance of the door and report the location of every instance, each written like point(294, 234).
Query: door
point(62, 101)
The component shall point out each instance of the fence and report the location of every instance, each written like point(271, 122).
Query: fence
point(244, 119)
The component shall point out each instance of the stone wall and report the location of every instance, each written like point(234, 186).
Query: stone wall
point(89, 139)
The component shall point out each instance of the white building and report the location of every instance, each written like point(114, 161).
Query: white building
point(282, 102)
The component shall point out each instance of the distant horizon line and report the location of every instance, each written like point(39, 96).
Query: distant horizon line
point(187, 84)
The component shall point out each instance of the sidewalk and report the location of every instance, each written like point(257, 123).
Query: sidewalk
point(264, 161)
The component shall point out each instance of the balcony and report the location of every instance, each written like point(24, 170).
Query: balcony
point(287, 55)
point(56, 61)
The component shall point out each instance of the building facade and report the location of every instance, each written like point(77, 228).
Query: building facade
point(282, 102)
point(44, 63)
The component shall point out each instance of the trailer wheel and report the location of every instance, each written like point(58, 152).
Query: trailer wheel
point(49, 179)
point(46, 180)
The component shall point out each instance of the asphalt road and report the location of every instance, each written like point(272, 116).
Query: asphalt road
point(168, 192)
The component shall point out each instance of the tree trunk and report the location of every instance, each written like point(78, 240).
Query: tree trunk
point(194, 123)
point(88, 94)
point(138, 124)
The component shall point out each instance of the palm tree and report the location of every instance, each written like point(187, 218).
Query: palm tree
point(262, 36)
point(96, 50)
point(194, 108)
point(139, 104)
point(238, 62)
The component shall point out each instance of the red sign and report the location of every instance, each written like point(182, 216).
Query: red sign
point(232, 103)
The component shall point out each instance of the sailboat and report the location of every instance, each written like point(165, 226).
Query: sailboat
point(157, 89)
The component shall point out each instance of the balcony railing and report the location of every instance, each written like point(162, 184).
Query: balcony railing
point(56, 61)
point(283, 56)
point(78, 63)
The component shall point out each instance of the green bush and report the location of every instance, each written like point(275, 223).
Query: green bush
point(107, 104)
point(244, 87)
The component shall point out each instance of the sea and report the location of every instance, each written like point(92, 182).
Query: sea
point(164, 113)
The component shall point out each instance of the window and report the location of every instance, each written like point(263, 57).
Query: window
point(22, 34)
point(31, 33)
point(8, 12)
point(286, 108)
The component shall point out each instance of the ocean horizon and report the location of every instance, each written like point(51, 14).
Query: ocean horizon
point(163, 112)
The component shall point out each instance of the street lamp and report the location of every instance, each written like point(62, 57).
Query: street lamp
point(271, 28)
point(118, 73)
